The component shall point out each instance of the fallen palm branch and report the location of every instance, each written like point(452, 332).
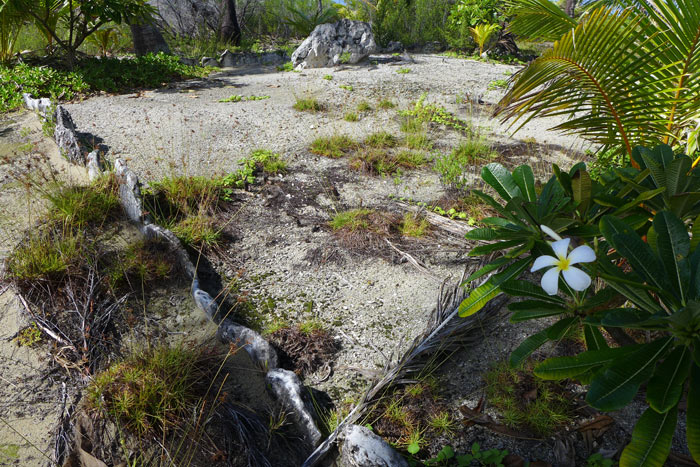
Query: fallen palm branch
point(444, 333)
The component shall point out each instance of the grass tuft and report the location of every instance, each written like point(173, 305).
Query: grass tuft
point(386, 104)
point(334, 146)
point(76, 206)
point(44, 256)
point(351, 117)
point(309, 104)
point(419, 141)
point(414, 225)
point(381, 139)
point(364, 106)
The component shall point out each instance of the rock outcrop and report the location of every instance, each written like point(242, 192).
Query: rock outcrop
point(330, 44)
point(362, 448)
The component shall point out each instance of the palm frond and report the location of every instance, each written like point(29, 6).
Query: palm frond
point(604, 75)
point(538, 20)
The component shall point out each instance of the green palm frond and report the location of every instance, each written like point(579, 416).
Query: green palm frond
point(538, 20)
point(482, 33)
point(604, 75)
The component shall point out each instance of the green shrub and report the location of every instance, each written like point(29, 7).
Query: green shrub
point(328, 77)
point(347, 87)
point(436, 114)
point(637, 243)
point(497, 84)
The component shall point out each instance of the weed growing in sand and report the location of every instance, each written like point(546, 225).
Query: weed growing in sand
point(328, 77)
point(347, 87)
point(44, 256)
point(379, 161)
point(497, 84)
point(411, 125)
point(76, 206)
point(334, 146)
point(526, 402)
point(364, 106)
point(419, 141)
point(142, 263)
point(403, 71)
point(153, 390)
point(413, 225)
point(443, 423)
point(345, 57)
point(310, 326)
point(239, 98)
point(386, 104)
point(381, 139)
point(308, 104)
point(352, 220)
point(29, 336)
point(436, 114)
point(452, 166)
point(351, 117)
point(288, 66)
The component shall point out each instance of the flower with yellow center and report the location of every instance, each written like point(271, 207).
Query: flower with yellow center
point(563, 263)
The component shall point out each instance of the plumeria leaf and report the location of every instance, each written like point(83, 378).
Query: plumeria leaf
point(525, 180)
point(523, 288)
point(559, 329)
point(594, 338)
point(581, 186)
point(651, 439)
point(617, 385)
point(533, 309)
point(551, 198)
point(673, 246)
point(491, 288)
point(695, 237)
point(626, 285)
point(528, 346)
point(632, 318)
point(666, 386)
point(569, 367)
point(693, 414)
point(500, 180)
point(492, 266)
point(490, 248)
point(641, 258)
point(483, 233)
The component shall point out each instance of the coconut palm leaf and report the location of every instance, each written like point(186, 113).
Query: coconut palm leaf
point(538, 20)
point(604, 75)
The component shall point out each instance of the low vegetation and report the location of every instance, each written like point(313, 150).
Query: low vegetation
point(381, 139)
point(414, 225)
point(332, 146)
point(308, 104)
point(474, 151)
point(351, 117)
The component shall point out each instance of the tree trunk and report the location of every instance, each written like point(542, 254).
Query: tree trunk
point(230, 29)
point(320, 7)
point(147, 39)
point(570, 8)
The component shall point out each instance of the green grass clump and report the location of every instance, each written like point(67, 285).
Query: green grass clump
point(381, 139)
point(385, 104)
point(452, 167)
point(410, 159)
point(44, 255)
point(347, 87)
point(153, 390)
point(351, 117)
point(239, 98)
point(310, 326)
point(308, 105)
point(200, 229)
point(543, 410)
point(268, 162)
point(419, 141)
point(333, 146)
point(411, 125)
point(352, 220)
point(364, 106)
point(413, 225)
point(75, 206)
point(436, 114)
point(403, 71)
point(140, 264)
point(328, 77)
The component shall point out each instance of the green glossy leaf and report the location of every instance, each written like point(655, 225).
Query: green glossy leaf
point(551, 198)
point(641, 258)
point(626, 318)
point(684, 204)
point(528, 346)
point(693, 414)
point(677, 175)
point(490, 248)
point(651, 439)
point(491, 288)
point(569, 367)
point(500, 180)
point(559, 329)
point(617, 385)
point(483, 233)
point(673, 245)
point(594, 338)
point(525, 180)
point(647, 195)
point(581, 186)
point(666, 386)
point(695, 237)
point(523, 288)
point(533, 309)
point(627, 286)
point(492, 266)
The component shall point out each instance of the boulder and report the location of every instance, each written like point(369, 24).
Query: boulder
point(330, 44)
point(362, 448)
point(433, 48)
point(394, 47)
point(66, 136)
point(229, 59)
point(208, 61)
point(260, 351)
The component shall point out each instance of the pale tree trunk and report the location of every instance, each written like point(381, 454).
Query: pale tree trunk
point(570, 8)
point(147, 39)
point(320, 7)
point(230, 29)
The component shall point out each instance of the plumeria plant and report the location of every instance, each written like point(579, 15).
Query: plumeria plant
point(612, 256)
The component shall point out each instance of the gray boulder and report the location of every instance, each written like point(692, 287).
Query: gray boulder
point(208, 61)
point(394, 47)
point(229, 59)
point(362, 448)
point(330, 44)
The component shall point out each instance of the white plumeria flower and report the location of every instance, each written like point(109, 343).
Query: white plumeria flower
point(576, 278)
